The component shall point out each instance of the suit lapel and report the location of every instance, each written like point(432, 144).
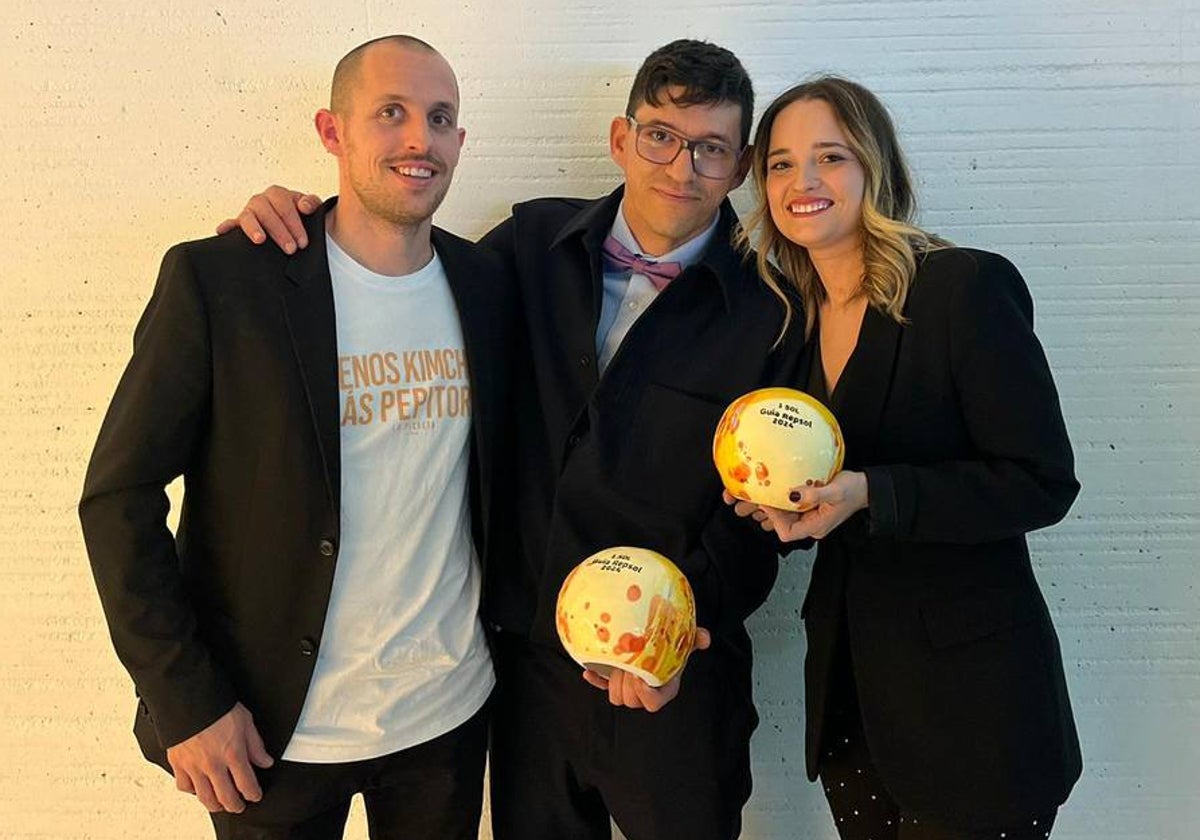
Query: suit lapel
point(865, 385)
point(461, 266)
point(576, 283)
point(308, 308)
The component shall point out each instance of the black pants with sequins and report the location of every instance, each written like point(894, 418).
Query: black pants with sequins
point(861, 806)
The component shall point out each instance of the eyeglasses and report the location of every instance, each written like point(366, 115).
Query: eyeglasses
point(661, 145)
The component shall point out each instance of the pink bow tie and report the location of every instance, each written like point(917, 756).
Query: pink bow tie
point(619, 258)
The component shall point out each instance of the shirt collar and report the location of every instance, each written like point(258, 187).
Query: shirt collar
point(725, 264)
point(686, 254)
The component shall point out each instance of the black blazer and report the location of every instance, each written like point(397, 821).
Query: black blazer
point(625, 458)
point(233, 384)
point(956, 421)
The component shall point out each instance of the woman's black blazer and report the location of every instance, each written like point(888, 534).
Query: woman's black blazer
point(954, 417)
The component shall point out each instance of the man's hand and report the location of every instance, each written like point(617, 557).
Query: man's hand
point(625, 689)
point(275, 211)
point(215, 763)
point(818, 509)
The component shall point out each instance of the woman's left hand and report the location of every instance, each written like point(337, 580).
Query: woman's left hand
point(819, 509)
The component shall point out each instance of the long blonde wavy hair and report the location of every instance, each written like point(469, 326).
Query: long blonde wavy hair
point(891, 241)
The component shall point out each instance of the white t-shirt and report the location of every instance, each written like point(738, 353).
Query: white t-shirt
point(403, 658)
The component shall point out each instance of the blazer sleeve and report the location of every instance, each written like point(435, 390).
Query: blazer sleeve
point(1022, 475)
point(150, 436)
point(731, 569)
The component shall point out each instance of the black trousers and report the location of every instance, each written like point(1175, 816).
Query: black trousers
point(563, 759)
point(859, 800)
point(433, 791)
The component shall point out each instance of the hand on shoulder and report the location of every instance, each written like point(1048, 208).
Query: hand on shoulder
point(275, 212)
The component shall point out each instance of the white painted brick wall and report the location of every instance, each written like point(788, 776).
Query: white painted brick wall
point(1065, 135)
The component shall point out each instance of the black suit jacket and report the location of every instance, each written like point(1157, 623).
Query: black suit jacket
point(956, 421)
point(233, 384)
point(625, 458)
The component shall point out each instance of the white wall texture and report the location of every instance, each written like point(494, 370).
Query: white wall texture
point(1065, 135)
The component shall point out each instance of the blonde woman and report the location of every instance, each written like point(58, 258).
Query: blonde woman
point(935, 698)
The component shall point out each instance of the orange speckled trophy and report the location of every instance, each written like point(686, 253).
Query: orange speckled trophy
point(774, 439)
point(628, 608)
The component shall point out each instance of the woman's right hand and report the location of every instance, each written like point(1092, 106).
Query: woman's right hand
point(275, 212)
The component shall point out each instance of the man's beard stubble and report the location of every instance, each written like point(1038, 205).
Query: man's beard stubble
point(397, 208)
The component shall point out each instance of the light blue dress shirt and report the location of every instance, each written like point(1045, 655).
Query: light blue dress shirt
point(627, 294)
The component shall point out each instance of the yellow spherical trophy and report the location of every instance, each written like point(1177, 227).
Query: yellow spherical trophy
point(628, 608)
point(774, 439)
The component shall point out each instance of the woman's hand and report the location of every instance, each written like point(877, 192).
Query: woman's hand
point(818, 509)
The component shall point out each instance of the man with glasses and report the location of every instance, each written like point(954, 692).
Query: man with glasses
point(644, 323)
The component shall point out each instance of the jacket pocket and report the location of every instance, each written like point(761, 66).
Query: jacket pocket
point(963, 620)
point(669, 463)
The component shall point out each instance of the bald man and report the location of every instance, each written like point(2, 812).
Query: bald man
point(311, 631)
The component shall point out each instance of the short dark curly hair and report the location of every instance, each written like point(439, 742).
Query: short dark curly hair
point(707, 73)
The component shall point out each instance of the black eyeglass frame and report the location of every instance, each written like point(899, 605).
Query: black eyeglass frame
point(683, 143)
